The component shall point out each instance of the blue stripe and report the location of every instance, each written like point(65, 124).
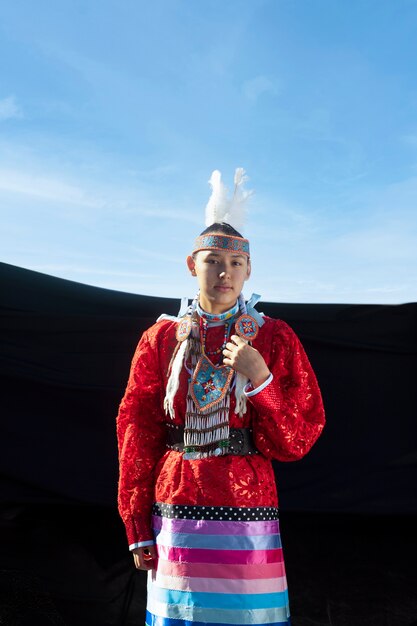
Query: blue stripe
point(241, 601)
point(225, 616)
point(155, 620)
point(216, 542)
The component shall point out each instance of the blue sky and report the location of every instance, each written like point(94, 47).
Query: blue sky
point(113, 115)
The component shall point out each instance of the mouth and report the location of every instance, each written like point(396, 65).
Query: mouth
point(223, 288)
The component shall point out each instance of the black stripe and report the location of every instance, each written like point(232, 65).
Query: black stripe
point(226, 513)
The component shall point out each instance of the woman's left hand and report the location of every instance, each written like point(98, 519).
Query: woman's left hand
point(145, 558)
point(246, 360)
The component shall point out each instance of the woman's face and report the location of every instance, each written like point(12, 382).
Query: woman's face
point(220, 275)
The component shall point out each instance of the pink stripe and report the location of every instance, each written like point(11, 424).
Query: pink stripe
point(196, 555)
point(215, 570)
point(215, 527)
point(220, 585)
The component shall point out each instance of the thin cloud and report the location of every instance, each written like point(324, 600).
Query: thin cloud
point(42, 187)
point(387, 230)
point(384, 243)
point(57, 268)
point(158, 256)
point(386, 289)
point(410, 139)
point(157, 173)
point(9, 109)
point(171, 214)
point(254, 88)
point(31, 178)
point(92, 70)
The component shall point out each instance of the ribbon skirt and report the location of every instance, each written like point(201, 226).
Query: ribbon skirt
point(217, 565)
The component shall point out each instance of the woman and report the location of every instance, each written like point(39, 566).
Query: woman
point(213, 396)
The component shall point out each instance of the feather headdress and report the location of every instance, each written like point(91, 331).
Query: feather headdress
point(221, 208)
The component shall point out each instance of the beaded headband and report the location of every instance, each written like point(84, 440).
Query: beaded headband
point(218, 241)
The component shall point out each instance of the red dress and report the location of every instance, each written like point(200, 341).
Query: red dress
point(287, 417)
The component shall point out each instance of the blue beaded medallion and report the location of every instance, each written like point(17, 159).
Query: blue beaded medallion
point(246, 327)
point(210, 383)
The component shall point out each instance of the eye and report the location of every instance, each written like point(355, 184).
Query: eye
point(238, 263)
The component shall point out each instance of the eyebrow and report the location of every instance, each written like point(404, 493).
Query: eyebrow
point(234, 256)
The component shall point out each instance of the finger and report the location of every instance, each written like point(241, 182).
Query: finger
point(152, 551)
point(230, 361)
point(143, 561)
point(238, 340)
point(145, 565)
point(147, 555)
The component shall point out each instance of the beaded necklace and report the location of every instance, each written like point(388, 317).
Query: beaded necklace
point(217, 317)
point(203, 337)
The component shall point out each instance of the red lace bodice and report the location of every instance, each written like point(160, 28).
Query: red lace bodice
point(287, 417)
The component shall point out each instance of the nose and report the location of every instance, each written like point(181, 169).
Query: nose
point(225, 273)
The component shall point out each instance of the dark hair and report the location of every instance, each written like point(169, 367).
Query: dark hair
point(221, 227)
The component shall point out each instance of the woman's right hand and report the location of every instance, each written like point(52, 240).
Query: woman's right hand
point(145, 558)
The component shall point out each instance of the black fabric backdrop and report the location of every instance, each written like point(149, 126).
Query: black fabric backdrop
point(65, 357)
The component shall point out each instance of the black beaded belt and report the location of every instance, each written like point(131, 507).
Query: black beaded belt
point(241, 440)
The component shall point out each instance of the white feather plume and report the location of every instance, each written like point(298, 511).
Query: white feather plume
point(220, 208)
point(218, 201)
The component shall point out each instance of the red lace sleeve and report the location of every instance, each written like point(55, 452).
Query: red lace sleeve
point(141, 439)
point(290, 414)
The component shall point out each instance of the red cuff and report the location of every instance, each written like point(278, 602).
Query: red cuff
point(266, 400)
point(135, 534)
